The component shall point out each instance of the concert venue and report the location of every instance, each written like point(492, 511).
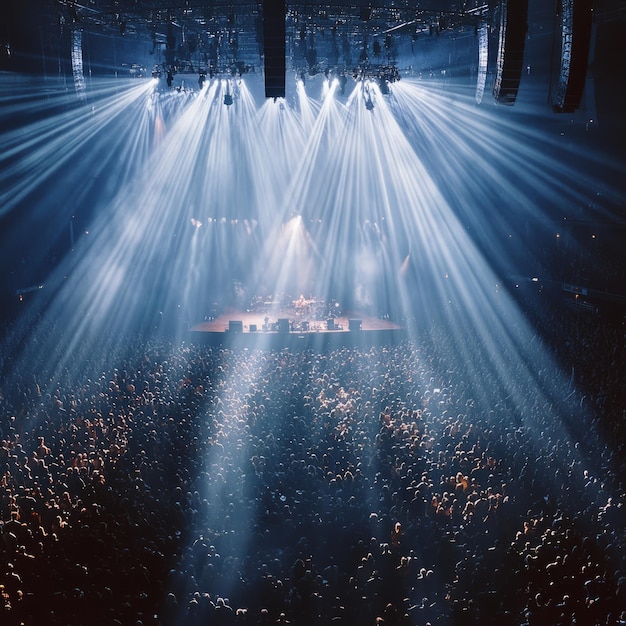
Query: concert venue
point(312, 314)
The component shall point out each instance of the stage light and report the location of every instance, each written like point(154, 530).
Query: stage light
point(367, 97)
point(228, 97)
point(342, 84)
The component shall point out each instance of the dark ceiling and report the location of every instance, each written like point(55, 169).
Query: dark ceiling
point(119, 33)
point(150, 18)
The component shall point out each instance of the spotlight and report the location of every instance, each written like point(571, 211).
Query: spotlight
point(228, 98)
point(342, 83)
point(241, 68)
point(367, 96)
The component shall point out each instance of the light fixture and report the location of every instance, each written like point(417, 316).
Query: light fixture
point(367, 96)
point(228, 97)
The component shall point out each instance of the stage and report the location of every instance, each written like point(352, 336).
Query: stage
point(284, 328)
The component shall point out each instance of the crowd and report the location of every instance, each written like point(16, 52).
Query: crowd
point(189, 484)
point(582, 254)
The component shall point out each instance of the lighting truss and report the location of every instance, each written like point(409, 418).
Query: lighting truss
point(382, 74)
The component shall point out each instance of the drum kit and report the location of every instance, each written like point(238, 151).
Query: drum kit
point(305, 314)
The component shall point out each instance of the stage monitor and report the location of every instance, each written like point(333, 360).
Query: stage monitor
point(354, 324)
point(235, 326)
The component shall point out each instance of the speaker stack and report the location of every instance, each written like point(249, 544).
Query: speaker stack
point(235, 326)
point(274, 47)
point(513, 27)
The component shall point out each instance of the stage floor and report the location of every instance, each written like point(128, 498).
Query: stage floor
point(256, 322)
point(282, 328)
